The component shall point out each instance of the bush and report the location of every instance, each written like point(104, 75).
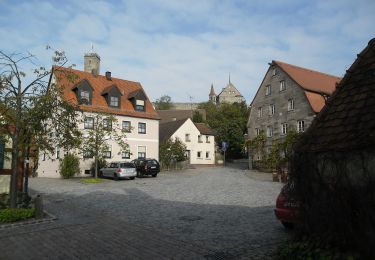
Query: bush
point(69, 166)
point(101, 164)
point(12, 215)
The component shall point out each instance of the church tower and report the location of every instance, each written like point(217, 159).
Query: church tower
point(212, 95)
point(92, 63)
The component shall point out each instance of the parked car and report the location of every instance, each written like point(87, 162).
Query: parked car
point(117, 170)
point(287, 207)
point(147, 167)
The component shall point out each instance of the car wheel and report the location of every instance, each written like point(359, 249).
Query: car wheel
point(132, 178)
point(115, 177)
point(287, 225)
point(154, 175)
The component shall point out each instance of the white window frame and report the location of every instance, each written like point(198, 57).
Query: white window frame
point(125, 155)
point(200, 139)
point(271, 109)
point(140, 129)
point(260, 112)
point(300, 126)
point(290, 104)
point(138, 152)
point(114, 101)
point(257, 131)
point(126, 129)
point(187, 138)
point(268, 90)
point(86, 124)
point(269, 131)
point(282, 85)
point(284, 128)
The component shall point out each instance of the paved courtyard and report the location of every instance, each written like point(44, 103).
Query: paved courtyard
point(204, 213)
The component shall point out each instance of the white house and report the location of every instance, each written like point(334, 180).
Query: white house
point(125, 100)
point(198, 138)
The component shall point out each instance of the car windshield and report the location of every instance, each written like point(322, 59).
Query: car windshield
point(153, 162)
point(127, 165)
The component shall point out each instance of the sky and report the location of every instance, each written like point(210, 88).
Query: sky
point(179, 48)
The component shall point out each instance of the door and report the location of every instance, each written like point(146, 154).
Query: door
point(188, 155)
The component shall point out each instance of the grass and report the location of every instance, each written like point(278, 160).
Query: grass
point(12, 215)
point(92, 180)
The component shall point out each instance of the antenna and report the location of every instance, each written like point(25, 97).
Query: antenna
point(191, 99)
point(229, 77)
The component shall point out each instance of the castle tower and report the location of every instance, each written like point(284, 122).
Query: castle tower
point(92, 63)
point(212, 95)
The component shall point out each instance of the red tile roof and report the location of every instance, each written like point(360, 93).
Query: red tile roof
point(314, 83)
point(67, 78)
point(347, 122)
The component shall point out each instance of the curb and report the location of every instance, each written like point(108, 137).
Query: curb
point(48, 218)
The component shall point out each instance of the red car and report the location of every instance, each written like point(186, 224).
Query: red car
point(286, 208)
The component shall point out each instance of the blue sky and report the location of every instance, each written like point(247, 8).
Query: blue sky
point(180, 47)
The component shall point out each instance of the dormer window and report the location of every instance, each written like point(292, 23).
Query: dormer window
point(140, 105)
point(84, 97)
point(83, 92)
point(114, 102)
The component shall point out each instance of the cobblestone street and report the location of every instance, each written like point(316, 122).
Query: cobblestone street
point(204, 213)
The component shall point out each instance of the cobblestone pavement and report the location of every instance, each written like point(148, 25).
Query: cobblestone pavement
point(203, 213)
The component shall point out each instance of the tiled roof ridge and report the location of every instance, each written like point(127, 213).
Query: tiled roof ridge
point(89, 73)
point(306, 69)
point(175, 122)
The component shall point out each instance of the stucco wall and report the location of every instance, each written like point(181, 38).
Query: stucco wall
point(49, 167)
point(194, 146)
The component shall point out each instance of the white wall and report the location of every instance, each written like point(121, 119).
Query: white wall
point(194, 146)
point(49, 167)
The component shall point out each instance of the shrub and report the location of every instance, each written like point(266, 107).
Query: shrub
point(69, 166)
point(101, 164)
point(12, 215)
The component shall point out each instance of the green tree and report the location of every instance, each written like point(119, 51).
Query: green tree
point(172, 150)
point(164, 103)
point(229, 122)
point(197, 117)
point(31, 108)
point(95, 140)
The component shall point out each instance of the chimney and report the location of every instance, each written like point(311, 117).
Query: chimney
point(92, 63)
point(108, 75)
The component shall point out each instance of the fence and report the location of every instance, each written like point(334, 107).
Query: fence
point(174, 166)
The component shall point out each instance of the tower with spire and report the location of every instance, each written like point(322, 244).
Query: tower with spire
point(212, 95)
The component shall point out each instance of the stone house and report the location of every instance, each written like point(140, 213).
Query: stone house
point(124, 99)
point(198, 138)
point(289, 97)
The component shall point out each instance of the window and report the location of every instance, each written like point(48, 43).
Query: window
point(44, 156)
point(274, 71)
point(301, 126)
point(260, 112)
point(200, 139)
point(141, 128)
point(141, 151)
point(257, 131)
point(290, 104)
point(284, 128)
point(114, 102)
point(107, 154)
point(187, 137)
point(107, 124)
point(84, 97)
point(140, 105)
point(269, 131)
point(89, 123)
point(207, 155)
point(207, 139)
point(271, 109)
point(126, 126)
point(282, 85)
point(268, 90)
point(199, 154)
point(125, 155)
point(88, 154)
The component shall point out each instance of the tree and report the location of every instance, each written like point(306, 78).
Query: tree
point(229, 122)
point(197, 117)
point(164, 103)
point(31, 107)
point(172, 150)
point(105, 127)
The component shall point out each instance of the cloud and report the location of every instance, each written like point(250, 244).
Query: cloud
point(180, 47)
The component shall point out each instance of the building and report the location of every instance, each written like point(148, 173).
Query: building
point(289, 97)
point(125, 100)
point(229, 94)
point(198, 138)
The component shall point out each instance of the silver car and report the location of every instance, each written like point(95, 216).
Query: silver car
point(117, 170)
